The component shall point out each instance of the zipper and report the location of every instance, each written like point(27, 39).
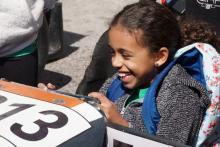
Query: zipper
point(123, 111)
point(124, 107)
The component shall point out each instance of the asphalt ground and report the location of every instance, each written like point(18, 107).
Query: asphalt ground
point(84, 21)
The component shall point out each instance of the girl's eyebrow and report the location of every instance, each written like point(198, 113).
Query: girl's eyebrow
point(122, 50)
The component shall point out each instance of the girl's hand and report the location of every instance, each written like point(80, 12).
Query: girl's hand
point(109, 109)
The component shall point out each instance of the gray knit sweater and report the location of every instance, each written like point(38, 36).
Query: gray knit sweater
point(181, 103)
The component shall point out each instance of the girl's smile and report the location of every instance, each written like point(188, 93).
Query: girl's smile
point(125, 77)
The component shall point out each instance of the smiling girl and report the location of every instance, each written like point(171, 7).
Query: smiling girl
point(144, 38)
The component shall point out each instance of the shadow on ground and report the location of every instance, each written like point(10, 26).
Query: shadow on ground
point(59, 80)
point(68, 39)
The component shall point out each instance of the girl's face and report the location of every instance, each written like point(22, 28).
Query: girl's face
point(135, 63)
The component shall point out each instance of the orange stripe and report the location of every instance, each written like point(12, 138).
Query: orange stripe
point(39, 94)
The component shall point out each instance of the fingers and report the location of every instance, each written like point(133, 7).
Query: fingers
point(51, 86)
point(46, 87)
point(104, 102)
point(99, 96)
point(42, 86)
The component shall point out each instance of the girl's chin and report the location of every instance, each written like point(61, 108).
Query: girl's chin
point(134, 85)
point(129, 82)
point(129, 85)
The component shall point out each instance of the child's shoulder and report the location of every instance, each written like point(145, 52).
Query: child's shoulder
point(178, 85)
point(179, 76)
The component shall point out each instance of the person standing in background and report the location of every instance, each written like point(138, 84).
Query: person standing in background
point(20, 23)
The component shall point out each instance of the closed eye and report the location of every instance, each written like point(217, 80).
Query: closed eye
point(125, 54)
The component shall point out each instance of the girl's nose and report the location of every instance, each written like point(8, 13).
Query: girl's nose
point(117, 62)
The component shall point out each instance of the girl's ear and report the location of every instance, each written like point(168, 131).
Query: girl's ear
point(161, 56)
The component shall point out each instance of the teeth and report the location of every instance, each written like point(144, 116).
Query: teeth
point(122, 74)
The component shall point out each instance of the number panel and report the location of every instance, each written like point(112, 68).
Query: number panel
point(27, 114)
